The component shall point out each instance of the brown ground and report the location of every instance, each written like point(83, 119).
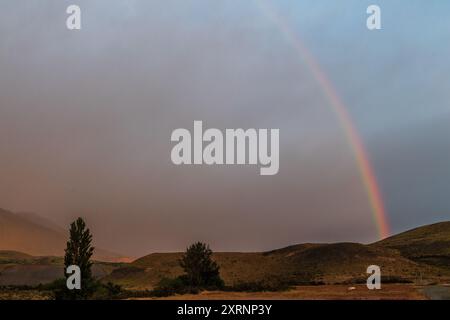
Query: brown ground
point(326, 292)
point(23, 295)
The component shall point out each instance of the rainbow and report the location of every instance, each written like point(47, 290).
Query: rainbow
point(361, 157)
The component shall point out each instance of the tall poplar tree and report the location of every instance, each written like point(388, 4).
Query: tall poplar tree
point(79, 252)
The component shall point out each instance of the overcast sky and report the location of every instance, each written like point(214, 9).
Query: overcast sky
point(86, 118)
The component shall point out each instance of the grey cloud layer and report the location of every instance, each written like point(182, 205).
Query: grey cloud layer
point(86, 118)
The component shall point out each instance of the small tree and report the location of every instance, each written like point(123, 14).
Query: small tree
point(201, 270)
point(79, 252)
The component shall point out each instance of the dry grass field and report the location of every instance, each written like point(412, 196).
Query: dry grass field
point(325, 292)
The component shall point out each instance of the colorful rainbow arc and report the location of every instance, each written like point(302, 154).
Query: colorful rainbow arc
point(364, 166)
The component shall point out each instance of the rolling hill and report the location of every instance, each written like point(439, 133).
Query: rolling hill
point(33, 235)
point(33, 254)
point(415, 255)
point(428, 244)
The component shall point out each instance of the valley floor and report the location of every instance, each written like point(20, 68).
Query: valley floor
point(325, 292)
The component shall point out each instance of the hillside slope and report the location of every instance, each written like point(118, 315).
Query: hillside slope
point(17, 268)
point(428, 244)
point(32, 235)
point(8, 256)
point(401, 258)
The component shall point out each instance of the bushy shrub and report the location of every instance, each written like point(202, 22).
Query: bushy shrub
point(171, 286)
point(262, 285)
point(108, 291)
point(384, 279)
point(97, 290)
point(200, 269)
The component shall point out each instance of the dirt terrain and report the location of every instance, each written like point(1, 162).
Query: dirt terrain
point(326, 292)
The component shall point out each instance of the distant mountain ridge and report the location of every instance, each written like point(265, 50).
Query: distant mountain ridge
point(31, 234)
